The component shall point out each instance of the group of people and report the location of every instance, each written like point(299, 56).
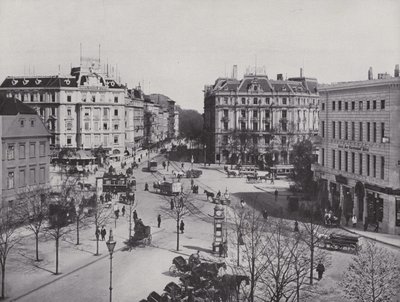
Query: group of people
point(101, 233)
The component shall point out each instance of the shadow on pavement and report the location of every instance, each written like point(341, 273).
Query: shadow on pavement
point(197, 248)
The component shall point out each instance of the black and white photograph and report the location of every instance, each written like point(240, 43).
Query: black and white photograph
point(200, 150)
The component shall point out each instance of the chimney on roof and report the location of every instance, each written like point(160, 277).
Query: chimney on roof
point(279, 77)
point(396, 71)
point(234, 72)
point(301, 72)
point(370, 74)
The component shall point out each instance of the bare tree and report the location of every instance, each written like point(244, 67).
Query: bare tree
point(373, 275)
point(61, 213)
point(178, 209)
point(250, 230)
point(101, 215)
point(288, 265)
point(33, 210)
point(280, 277)
point(312, 232)
point(9, 237)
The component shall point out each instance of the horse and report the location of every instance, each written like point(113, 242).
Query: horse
point(230, 285)
point(232, 173)
point(209, 194)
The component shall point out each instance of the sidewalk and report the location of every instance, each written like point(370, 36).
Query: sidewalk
point(392, 240)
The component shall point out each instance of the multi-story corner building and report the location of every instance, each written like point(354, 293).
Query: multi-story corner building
point(24, 152)
point(166, 105)
point(151, 122)
point(176, 124)
point(257, 118)
point(83, 110)
point(134, 119)
point(359, 158)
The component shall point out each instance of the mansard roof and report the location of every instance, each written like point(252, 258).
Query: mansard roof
point(39, 82)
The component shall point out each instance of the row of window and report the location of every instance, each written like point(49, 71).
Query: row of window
point(267, 101)
point(88, 140)
point(347, 131)
point(284, 113)
point(370, 105)
point(22, 122)
point(255, 140)
point(22, 150)
point(35, 97)
point(22, 181)
point(97, 112)
point(346, 161)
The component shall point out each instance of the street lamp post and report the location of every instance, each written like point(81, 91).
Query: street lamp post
point(111, 245)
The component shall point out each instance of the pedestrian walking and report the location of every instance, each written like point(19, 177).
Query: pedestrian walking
point(146, 186)
point(182, 165)
point(103, 233)
point(265, 214)
point(296, 226)
point(354, 221)
point(159, 220)
point(276, 195)
point(163, 164)
point(376, 227)
point(172, 204)
point(320, 270)
point(182, 226)
point(123, 211)
point(135, 216)
point(97, 233)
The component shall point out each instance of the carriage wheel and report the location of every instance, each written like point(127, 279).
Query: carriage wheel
point(173, 270)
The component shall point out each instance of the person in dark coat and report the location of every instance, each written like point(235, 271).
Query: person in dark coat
point(296, 226)
point(135, 216)
point(123, 211)
point(172, 204)
point(146, 186)
point(159, 220)
point(182, 226)
point(276, 195)
point(320, 270)
point(103, 233)
point(265, 214)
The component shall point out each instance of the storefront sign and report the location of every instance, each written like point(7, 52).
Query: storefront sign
point(356, 148)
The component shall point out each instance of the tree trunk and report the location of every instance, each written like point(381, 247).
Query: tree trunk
point(312, 259)
point(57, 244)
point(77, 230)
point(251, 297)
point(97, 246)
point(37, 245)
point(3, 278)
point(177, 234)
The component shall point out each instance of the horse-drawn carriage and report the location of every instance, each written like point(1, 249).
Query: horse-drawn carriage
point(142, 234)
point(218, 199)
point(168, 188)
point(339, 242)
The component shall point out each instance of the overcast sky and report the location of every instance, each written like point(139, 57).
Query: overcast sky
point(176, 47)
